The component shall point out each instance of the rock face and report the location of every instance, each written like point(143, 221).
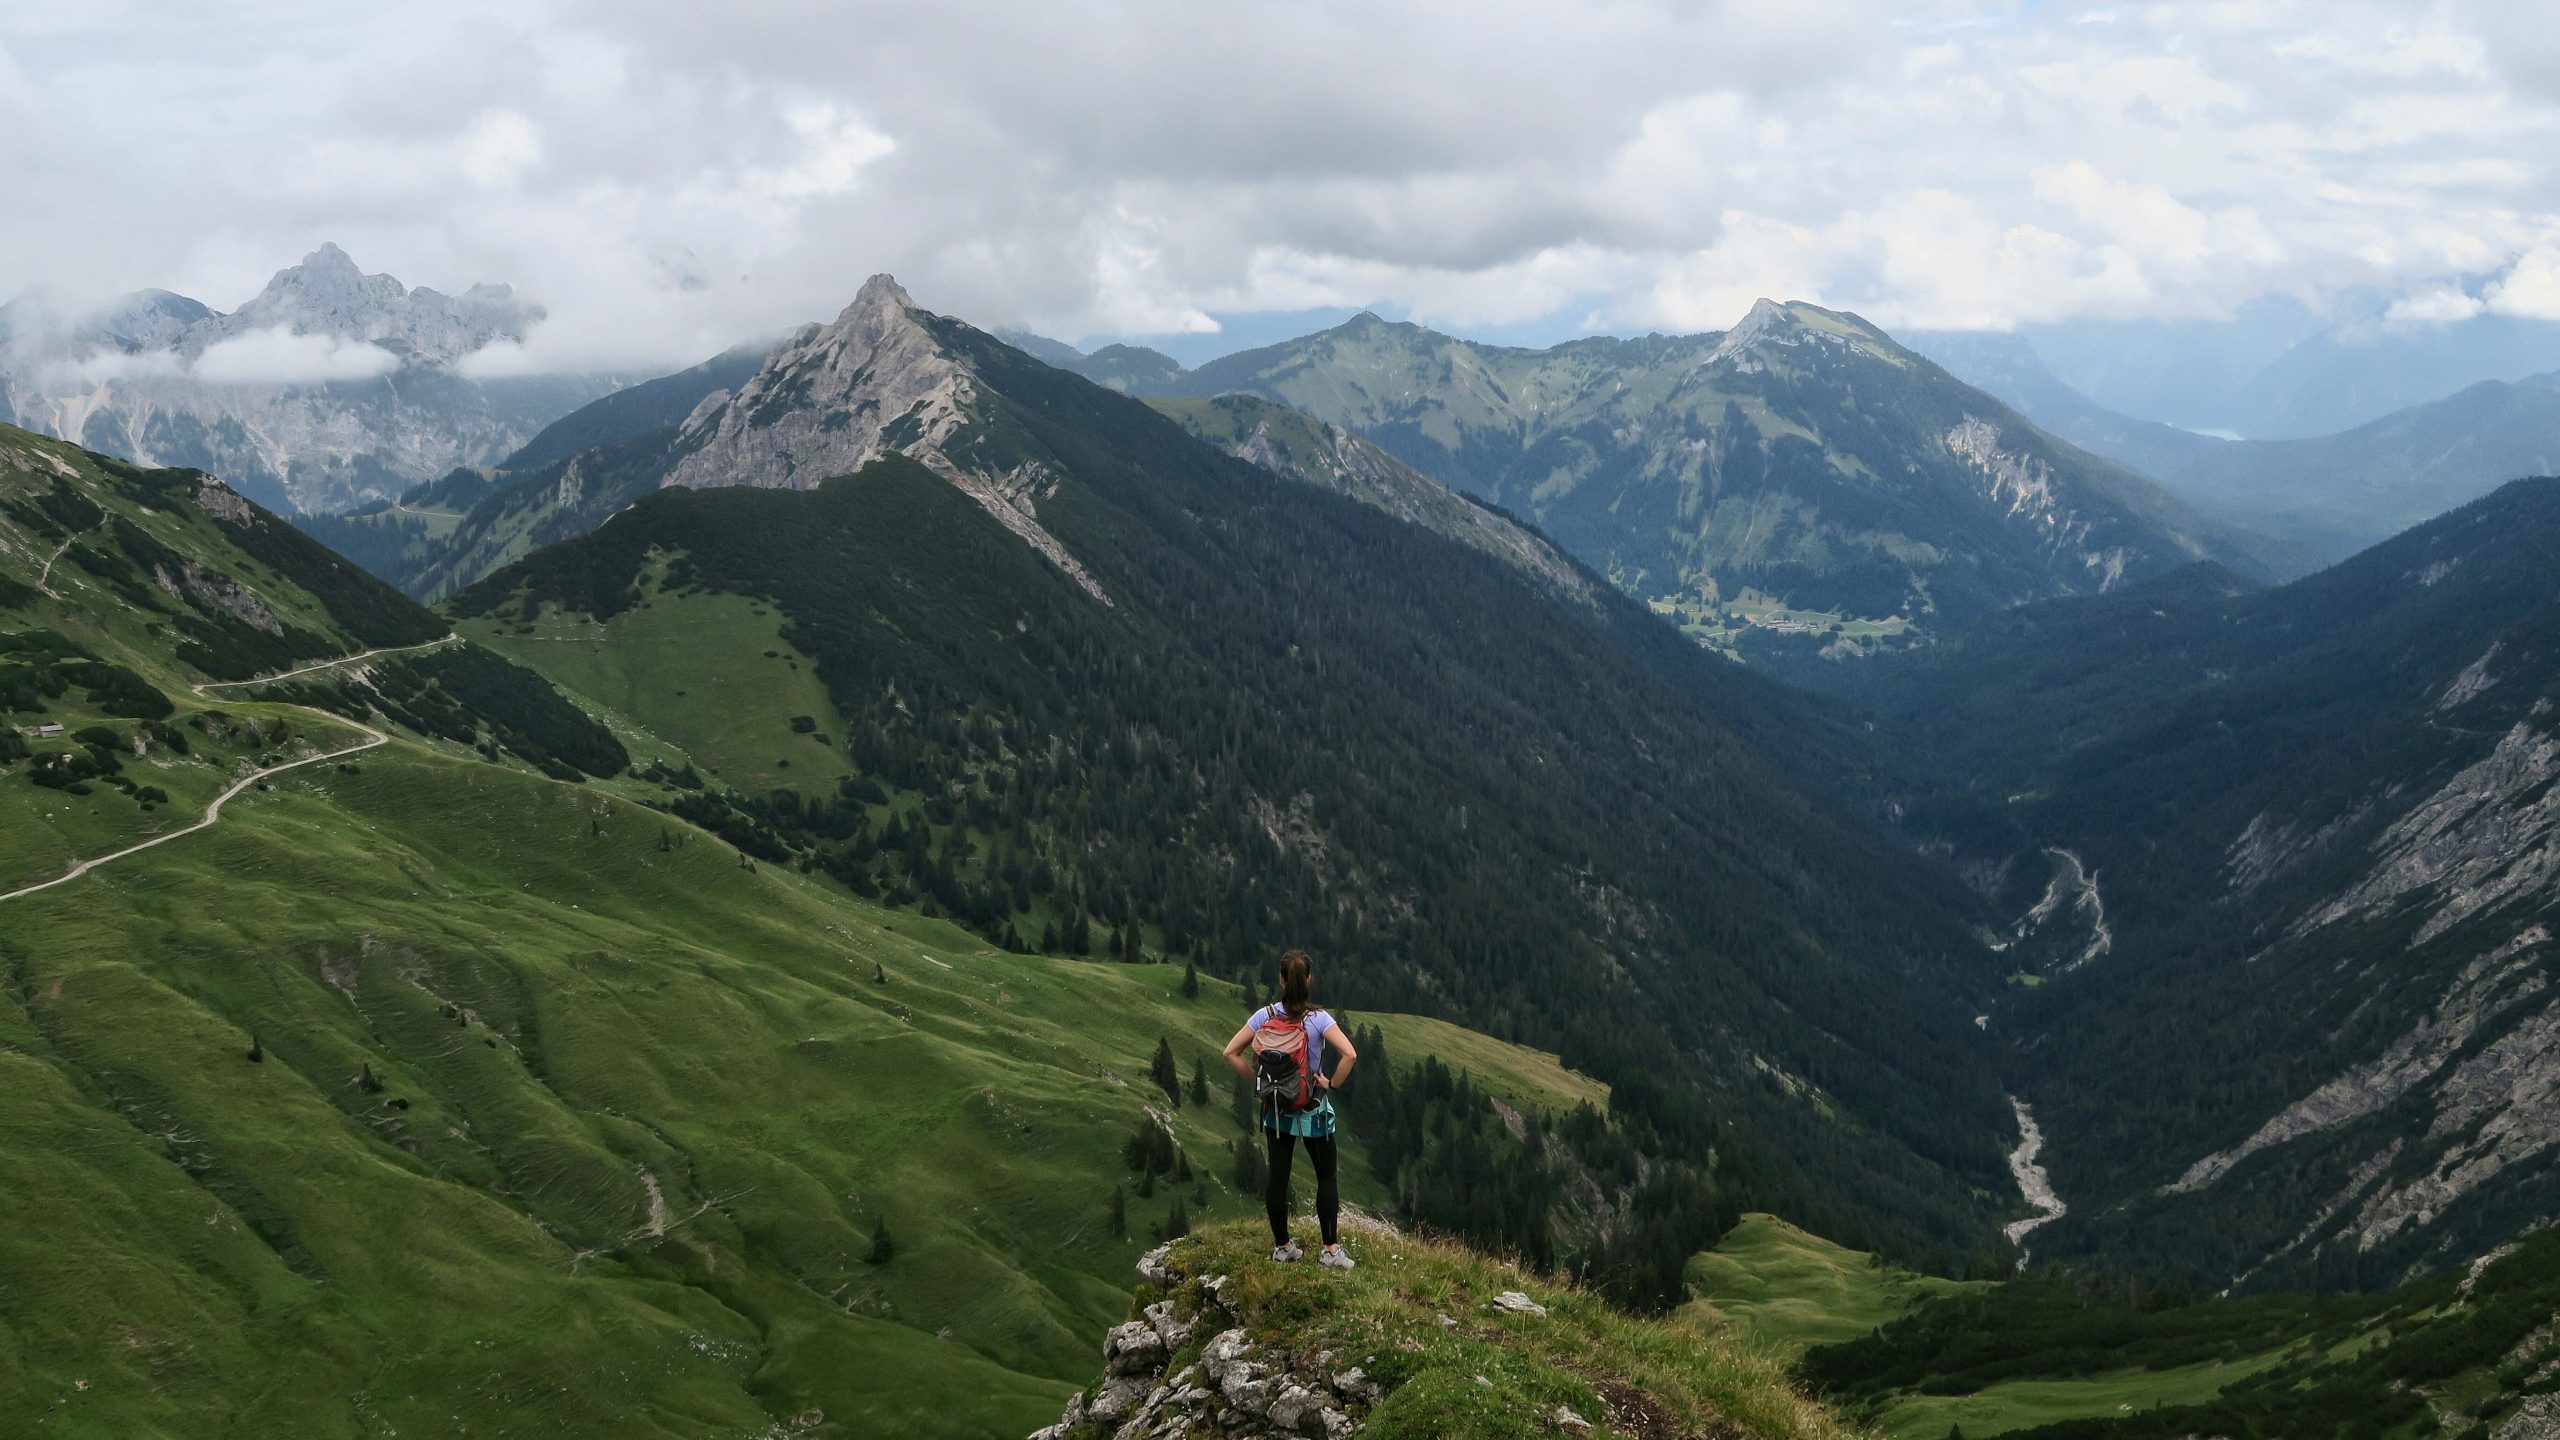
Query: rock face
point(328, 388)
point(1233, 1389)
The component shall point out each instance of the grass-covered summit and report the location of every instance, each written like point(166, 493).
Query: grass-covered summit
point(1426, 1340)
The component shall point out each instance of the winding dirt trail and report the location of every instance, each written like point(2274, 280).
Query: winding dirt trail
point(325, 665)
point(44, 577)
point(213, 811)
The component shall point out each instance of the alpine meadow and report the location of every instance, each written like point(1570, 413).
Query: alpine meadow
point(1391, 722)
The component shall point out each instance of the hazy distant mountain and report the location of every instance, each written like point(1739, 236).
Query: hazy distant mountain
point(2180, 372)
point(1134, 369)
point(1763, 485)
point(2364, 369)
point(2276, 370)
point(328, 388)
point(2332, 495)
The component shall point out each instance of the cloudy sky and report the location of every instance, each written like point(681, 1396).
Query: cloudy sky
point(669, 177)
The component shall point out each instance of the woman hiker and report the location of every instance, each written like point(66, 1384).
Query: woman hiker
point(1287, 1071)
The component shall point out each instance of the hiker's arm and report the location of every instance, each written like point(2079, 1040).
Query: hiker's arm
point(1235, 1052)
point(1334, 1037)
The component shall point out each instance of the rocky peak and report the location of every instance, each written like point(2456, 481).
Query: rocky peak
point(328, 294)
point(833, 398)
point(1771, 324)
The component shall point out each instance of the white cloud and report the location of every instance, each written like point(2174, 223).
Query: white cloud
point(1145, 165)
point(2440, 305)
point(106, 367)
point(280, 357)
point(2531, 287)
point(499, 148)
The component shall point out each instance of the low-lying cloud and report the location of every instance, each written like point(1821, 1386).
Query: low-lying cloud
point(280, 357)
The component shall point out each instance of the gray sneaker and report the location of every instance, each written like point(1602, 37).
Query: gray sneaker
point(1285, 1254)
point(1332, 1257)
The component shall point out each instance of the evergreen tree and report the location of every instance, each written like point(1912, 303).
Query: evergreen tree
point(878, 975)
point(1119, 1213)
point(1177, 1224)
point(1199, 1081)
point(1190, 980)
point(1167, 1075)
point(1241, 1105)
point(1147, 1185)
point(882, 1247)
point(1250, 1167)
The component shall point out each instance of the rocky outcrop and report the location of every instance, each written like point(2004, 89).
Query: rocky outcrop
point(2484, 989)
point(1187, 1368)
point(2024, 487)
point(2490, 835)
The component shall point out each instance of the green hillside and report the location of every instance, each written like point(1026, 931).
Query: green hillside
point(499, 1101)
point(1790, 1291)
point(2058, 1355)
point(635, 1114)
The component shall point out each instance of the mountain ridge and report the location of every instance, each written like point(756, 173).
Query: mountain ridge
point(1799, 472)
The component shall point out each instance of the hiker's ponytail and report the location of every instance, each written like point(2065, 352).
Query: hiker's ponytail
point(1296, 973)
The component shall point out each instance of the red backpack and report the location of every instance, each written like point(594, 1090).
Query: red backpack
point(1284, 1063)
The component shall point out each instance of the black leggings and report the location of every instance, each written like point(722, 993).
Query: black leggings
point(1275, 1196)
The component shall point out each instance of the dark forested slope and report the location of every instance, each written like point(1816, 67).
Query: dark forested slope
point(2294, 849)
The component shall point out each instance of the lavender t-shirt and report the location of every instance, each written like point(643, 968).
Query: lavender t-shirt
point(1317, 1022)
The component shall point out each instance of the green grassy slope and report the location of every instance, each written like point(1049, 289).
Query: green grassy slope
point(2469, 1352)
point(712, 682)
point(627, 1185)
point(2066, 1357)
point(1790, 1291)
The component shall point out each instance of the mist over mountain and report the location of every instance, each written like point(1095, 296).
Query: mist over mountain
point(327, 389)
